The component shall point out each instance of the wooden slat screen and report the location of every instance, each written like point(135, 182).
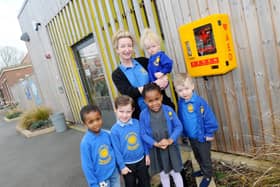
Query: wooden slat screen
point(245, 100)
point(80, 18)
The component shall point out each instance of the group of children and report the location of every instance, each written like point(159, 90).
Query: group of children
point(133, 147)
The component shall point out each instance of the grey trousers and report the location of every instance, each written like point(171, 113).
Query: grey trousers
point(202, 155)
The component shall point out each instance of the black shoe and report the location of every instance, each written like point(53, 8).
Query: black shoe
point(197, 174)
point(205, 182)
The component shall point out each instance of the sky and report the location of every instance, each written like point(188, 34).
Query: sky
point(10, 31)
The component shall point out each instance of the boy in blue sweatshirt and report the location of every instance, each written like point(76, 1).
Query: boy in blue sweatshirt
point(128, 146)
point(199, 124)
point(97, 156)
point(159, 63)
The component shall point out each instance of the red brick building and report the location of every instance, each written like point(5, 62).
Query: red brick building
point(10, 76)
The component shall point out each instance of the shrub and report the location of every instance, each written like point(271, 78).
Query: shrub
point(39, 124)
point(13, 114)
point(34, 115)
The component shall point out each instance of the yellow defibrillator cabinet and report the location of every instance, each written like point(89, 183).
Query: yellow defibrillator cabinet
point(207, 46)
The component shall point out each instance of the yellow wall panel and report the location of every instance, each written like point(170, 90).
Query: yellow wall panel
point(61, 57)
point(77, 20)
point(102, 48)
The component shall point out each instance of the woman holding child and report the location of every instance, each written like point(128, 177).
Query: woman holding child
point(131, 75)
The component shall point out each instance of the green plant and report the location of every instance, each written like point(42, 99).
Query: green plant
point(38, 124)
point(13, 114)
point(34, 115)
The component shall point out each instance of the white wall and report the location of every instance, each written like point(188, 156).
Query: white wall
point(27, 99)
point(46, 70)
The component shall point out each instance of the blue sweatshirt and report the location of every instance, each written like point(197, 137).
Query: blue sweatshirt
point(127, 143)
point(159, 62)
point(197, 118)
point(137, 76)
point(173, 124)
point(97, 157)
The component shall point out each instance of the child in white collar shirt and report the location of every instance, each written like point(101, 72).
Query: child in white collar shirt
point(127, 144)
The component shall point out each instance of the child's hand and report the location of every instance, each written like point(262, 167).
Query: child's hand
point(148, 161)
point(209, 139)
point(164, 143)
point(160, 145)
point(158, 75)
point(125, 171)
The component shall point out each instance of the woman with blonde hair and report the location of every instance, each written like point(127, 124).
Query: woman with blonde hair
point(131, 75)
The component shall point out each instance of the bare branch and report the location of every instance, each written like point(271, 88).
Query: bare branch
point(10, 56)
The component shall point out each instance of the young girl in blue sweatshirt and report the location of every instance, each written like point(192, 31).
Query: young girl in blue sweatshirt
point(160, 129)
point(97, 156)
point(129, 150)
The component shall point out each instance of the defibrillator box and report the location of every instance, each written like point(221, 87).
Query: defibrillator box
point(207, 46)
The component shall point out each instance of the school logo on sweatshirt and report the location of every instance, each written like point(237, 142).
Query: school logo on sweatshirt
point(156, 62)
point(190, 108)
point(104, 156)
point(132, 143)
point(201, 109)
point(170, 114)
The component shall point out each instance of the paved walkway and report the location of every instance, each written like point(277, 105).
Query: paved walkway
point(53, 160)
point(50, 160)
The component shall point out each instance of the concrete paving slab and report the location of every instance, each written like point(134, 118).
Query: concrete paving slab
point(49, 160)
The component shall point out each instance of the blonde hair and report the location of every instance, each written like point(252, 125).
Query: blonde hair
point(180, 78)
point(121, 34)
point(149, 35)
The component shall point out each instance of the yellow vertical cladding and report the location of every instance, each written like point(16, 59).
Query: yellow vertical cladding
point(143, 14)
point(70, 67)
point(135, 26)
point(87, 19)
point(64, 44)
point(70, 27)
point(79, 18)
point(105, 12)
point(154, 10)
point(83, 99)
point(62, 58)
point(66, 33)
point(53, 38)
point(74, 21)
point(80, 5)
point(112, 15)
point(100, 41)
point(106, 30)
point(121, 9)
point(75, 73)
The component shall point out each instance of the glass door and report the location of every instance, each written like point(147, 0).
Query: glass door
point(93, 79)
